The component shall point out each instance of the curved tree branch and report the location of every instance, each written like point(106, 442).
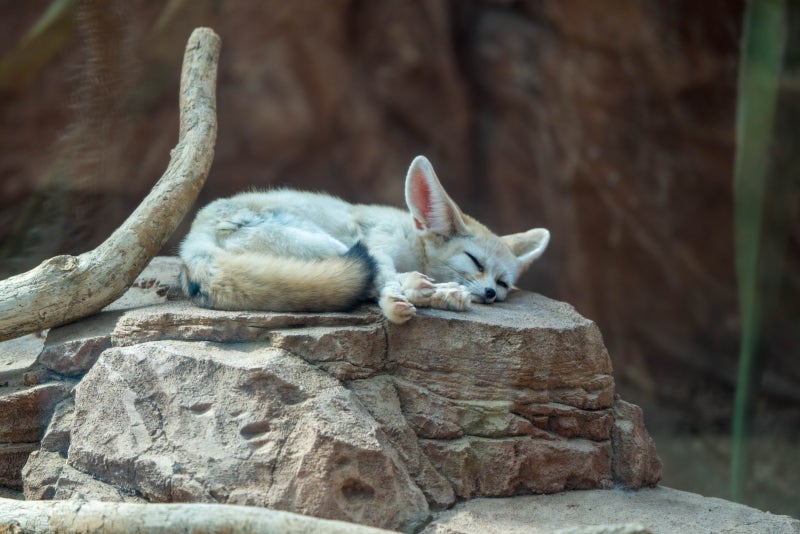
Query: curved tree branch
point(49, 517)
point(66, 288)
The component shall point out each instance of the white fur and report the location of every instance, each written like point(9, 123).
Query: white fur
point(286, 250)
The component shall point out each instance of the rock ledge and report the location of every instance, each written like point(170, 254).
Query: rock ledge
point(176, 403)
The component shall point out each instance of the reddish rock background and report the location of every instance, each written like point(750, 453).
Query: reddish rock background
point(611, 123)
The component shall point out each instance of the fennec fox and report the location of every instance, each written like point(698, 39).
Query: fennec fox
point(287, 250)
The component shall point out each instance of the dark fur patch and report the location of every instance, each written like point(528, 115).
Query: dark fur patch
point(199, 296)
point(194, 288)
point(360, 253)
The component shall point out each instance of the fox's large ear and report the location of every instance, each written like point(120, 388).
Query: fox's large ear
point(527, 246)
point(431, 207)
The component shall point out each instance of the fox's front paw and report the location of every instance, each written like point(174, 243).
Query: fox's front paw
point(396, 308)
point(417, 288)
point(450, 296)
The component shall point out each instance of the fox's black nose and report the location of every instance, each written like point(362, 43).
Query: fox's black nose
point(490, 293)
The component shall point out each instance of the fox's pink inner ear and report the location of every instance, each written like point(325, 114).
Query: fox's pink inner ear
point(427, 201)
point(420, 196)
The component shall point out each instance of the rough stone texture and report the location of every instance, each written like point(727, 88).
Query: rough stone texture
point(380, 397)
point(12, 458)
point(33, 370)
point(47, 476)
point(299, 429)
point(20, 419)
point(72, 349)
point(605, 529)
point(520, 404)
point(24, 414)
point(269, 430)
point(659, 510)
point(17, 355)
point(488, 467)
point(344, 352)
point(154, 285)
point(630, 441)
point(188, 404)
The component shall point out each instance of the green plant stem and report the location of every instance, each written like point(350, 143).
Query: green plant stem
point(759, 72)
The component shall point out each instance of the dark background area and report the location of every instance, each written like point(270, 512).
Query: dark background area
point(611, 123)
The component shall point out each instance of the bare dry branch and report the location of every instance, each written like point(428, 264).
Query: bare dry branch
point(46, 517)
point(66, 288)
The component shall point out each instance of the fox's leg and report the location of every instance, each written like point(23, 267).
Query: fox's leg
point(393, 302)
point(451, 296)
point(398, 294)
point(421, 291)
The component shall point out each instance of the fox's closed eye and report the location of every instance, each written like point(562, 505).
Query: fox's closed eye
point(502, 284)
point(478, 264)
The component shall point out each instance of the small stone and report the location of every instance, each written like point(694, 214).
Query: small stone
point(72, 349)
point(12, 457)
point(635, 463)
point(24, 413)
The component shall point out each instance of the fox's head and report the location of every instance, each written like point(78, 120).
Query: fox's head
point(460, 249)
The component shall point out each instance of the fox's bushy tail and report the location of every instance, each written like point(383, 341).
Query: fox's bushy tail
point(217, 278)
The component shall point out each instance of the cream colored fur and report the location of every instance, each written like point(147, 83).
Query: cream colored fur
point(287, 250)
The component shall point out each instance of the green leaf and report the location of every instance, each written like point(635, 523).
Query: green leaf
point(759, 73)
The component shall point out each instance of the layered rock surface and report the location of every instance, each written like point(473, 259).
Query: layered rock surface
point(341, 416)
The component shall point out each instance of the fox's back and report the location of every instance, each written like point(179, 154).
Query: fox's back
point(332, 215)
point(324, 213)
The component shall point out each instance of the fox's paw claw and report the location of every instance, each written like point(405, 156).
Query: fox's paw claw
point(451, 296)
point(420, 290)
point(397, 308)
point(416, 287)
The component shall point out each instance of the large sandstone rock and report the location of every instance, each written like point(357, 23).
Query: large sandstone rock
point(242, 424)
point(341, 416)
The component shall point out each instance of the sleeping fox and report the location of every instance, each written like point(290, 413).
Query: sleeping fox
point(286, 250)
